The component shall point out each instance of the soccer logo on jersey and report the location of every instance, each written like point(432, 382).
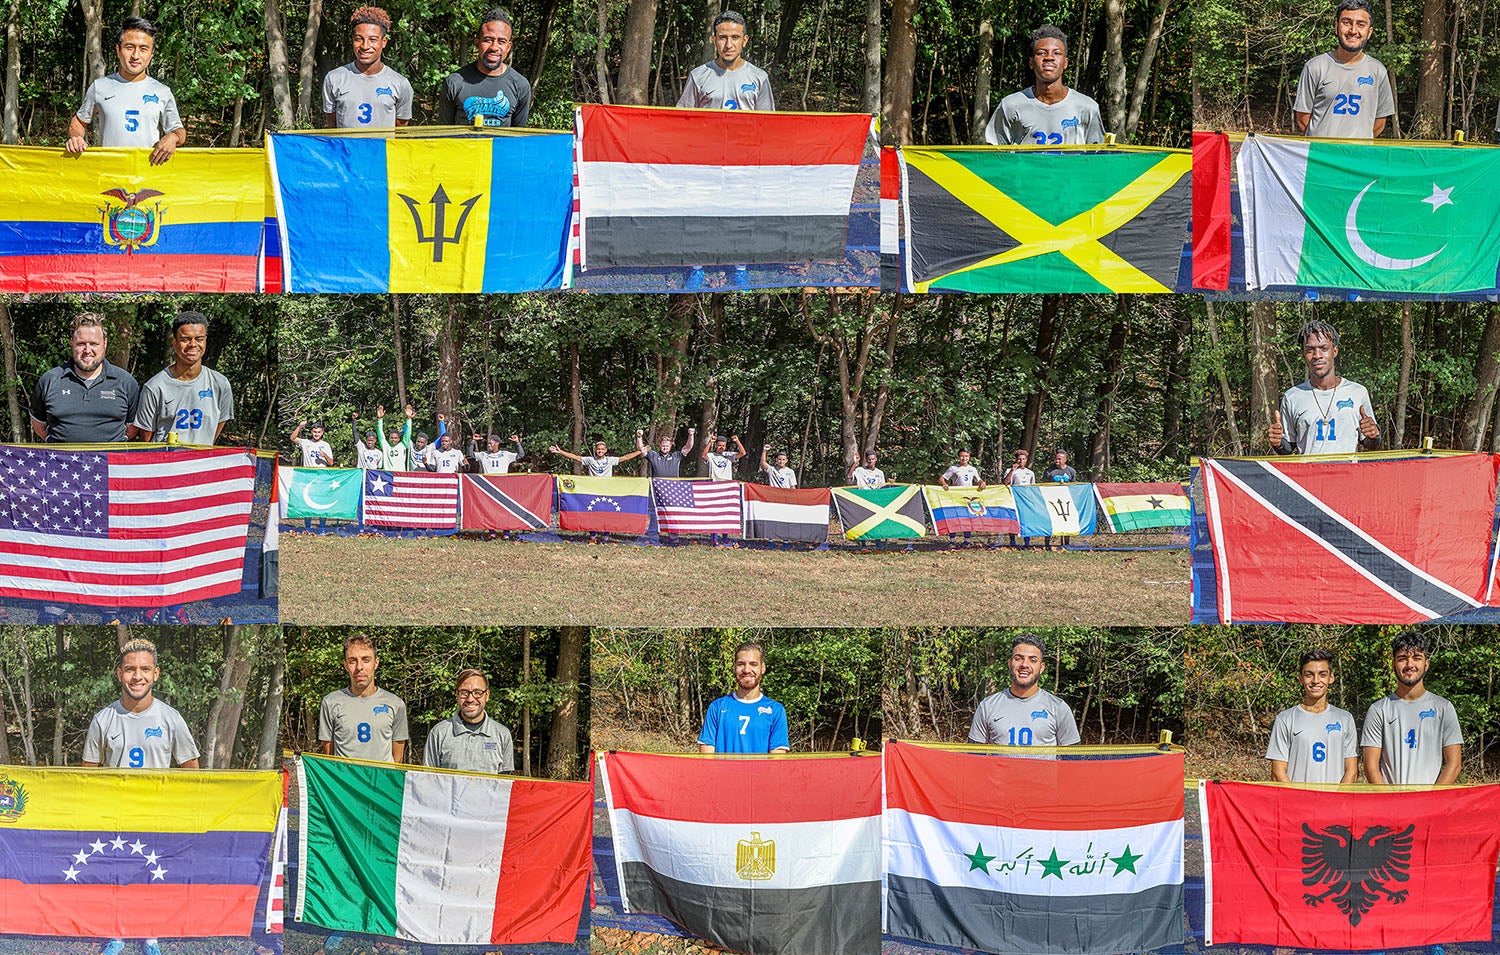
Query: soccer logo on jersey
point(1334, 728)
point(150, 98)
point(1427, 715)
point(385, 91)
point(153, 732)
point(12, 799)
point(765, 710)
point(382, 708)
point(129, 225)
point(1069, 123)
point(755, 858)
point(1365, 81)
point(1038, 714)
point(1346, 403)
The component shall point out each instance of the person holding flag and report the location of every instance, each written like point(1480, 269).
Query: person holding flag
point(1061, 472)
point(1046, 113)
point(865, 474)
point(1314, 741)
point(186, 402)
point(1412, 736)
point(778, 474)
point(487, 92)
point(1325, 414)
point(962, 474)
point(664, 463)
point(492, 460)
point(1024, 714)
point(397, 452)
point(1345, 93)
point(367, 452)
point(1019, 474)
point(134, 110)
point(367, 94)
point(470, 739)
point(745, 721)
point(316, 453)
point(721, 468)
point(600, 464)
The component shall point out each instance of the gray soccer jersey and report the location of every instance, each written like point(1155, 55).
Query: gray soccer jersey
point(962, 475)
point(191, 410)
point(371, 458)
point(152, 739)
point(495, 462)
point(1344, 99)
point(600, 467)
point(712, 87)
point(358, 101)
point(315, 454)
point(134, 114)
point(1411, 735)
point(362, 727)
point(1018, 475)
point(1323, 422)
point(1023, 120)
point(1042, 719)
point(868, 477)
point(1313, 745)
point(721, 466)
point(781, 477)
point(454, 744)
point(446, 462)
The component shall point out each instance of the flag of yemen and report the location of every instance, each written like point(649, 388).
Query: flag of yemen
point(328, 493)
point(986, 220)
point(1134, 507)
point(442, 857)
point(1019, 855)
point(894, 510)
point(1364, 216)
point(776, 856)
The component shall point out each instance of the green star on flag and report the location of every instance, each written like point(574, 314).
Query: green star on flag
point(1054, 865)
point(978, 860)
point(1124, 861)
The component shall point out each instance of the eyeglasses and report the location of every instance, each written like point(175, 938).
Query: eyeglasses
point(471, 694)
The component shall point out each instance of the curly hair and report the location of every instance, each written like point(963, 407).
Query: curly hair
point(374, 16)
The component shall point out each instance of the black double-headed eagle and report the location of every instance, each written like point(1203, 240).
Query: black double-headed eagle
point(1358, 871)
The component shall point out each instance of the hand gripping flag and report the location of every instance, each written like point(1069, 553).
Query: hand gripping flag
point(1023, 856)
point(603, 504)
point(1046, 510)
point(990, 511)
point(660, 187)
point(1307, 869)
point(774, 856)
point(786, 514)
point(1136, 507)
point(123, 528)
point(473, 213)
point(109, 221)
point(325, 493)
point(442, 857)
point(1398, 541)
point(892, 511)
point(506, 502)
point(979, 219)
point(104, 853)
point(1385, 218)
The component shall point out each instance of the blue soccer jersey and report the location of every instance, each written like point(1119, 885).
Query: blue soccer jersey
point(731, 726)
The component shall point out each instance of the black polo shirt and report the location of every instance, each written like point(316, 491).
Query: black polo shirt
point(85, 412)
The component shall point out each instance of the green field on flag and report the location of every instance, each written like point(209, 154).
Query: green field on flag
point(328, 493)
point(351, 870)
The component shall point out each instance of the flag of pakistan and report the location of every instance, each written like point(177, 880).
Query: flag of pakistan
point(330, 493)
point(1386, 218)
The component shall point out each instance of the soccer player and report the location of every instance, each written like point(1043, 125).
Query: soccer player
point(664, 463)
point(396, 451)
point(1345, 93)
point(866, 475)
point(87, 400)
point(134, 110)
point(1411, 737)
point(1061, 472)
point(444, 458)
point(778, 474)
point(1325, 414)
point(720, 459)
point(138, 731)
point(362, 721)
point(599, 464)
point(487, 91)
point(367, 452)
point(745, 721)
point(1018, 473)
point(492, 460)
point(962, 474)
point(316, 452)
point(1314, 742)
point(470, 739)
point(185, 402)
point(367, 94)
point(1024, 714)
point(1046, 113)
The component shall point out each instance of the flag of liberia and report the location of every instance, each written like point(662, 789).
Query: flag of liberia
point(411, 499)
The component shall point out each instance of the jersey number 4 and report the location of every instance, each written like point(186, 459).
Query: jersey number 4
point(1346, 104)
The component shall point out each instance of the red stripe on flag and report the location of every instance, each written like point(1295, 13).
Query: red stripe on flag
point(18, 572)
point(808, 496)
point(739, 790)
point(169, 508)
point(544, 869)
point(107, 557)
point(705, 137)
point(1034, 792)
point(127, 911)
point(128, 273)
point(890, 173)
point(1211, 210)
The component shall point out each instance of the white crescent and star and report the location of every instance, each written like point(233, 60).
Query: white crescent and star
point(307, 496)
point(1367, 255)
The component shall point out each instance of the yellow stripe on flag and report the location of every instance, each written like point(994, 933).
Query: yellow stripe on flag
point(888, 512)
point(179, 800)
point(1129, 503)
point(438, 193)
point(606, 487)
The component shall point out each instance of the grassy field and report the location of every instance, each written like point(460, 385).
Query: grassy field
point(452, 581)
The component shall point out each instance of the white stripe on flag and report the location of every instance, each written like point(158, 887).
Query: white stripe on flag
point(121, 467)
point(890, 236)
point(941, 852)
point(680, 189)
point(810, 514)
point(121, 568)
point(808, 854)
point(1208, 865)
point(448, 862)
point(1272, 176)
point(101, 594)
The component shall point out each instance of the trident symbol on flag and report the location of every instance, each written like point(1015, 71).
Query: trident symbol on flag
point(1061, 507)
point(439, 237)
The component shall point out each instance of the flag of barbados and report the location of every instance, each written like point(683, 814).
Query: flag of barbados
point(471, 213)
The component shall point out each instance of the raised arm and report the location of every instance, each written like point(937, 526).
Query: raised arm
point(567, 454)
point(688, 444)
point(737, 446)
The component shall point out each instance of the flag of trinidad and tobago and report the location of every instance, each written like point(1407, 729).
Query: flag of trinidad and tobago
point(1348, 870)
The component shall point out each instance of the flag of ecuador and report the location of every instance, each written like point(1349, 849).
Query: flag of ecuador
point(470, 213)
point(980, 219)
point(109, 221)
point(106, 853)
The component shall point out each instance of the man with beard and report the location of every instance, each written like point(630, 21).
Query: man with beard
point(1411, 737)
point(745, 721)
point(87, 400)
point(1325, 414)
point(470, 739)
point(1024, 714)
point(1046, 113)
point(487, 91)
point(1345, 93)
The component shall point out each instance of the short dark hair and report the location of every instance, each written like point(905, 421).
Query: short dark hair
point(1315, 655)
point(729, 16)
point(1049, 32)
point(316, 426)
point(373, 16)
point(469, 674)
point(493, 15)
point(1411, 640)
point(1030, 638)
point(1317, 328)
point(1353, 5)
point(358, 639)
point(755, 645)
point(189, 318)
point(140, 24)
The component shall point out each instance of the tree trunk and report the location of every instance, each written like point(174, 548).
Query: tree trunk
point(276, 62)
point(1143, 70)
point(869, 100)
point(1403, 382)
point(19, 427)
point(526, 709)
point(708, 411)
point(1264, 388)
point(235, 124)
point(224, 717)
point(4, 730)
point(450, 350)
point(633, 83)
point(1114, 66)
point(575, 399)
point(60, 641)
point(980, 116)
point(1429, 120)
point(269, 754)
point(396, 344)
point(1108, 387)
point(1236, 444)
point(93, 42)
point(883, 391)
point(1048, 335)
point(539, 58)
point(1476, 416)
point(1175, 360)
point(307, 64)
point(10, 114)
point(900, 74)
point(601, 71)
point(562, 750)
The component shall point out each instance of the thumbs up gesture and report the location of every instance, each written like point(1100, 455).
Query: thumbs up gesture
point(1367, 426)
point(1274, 433)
